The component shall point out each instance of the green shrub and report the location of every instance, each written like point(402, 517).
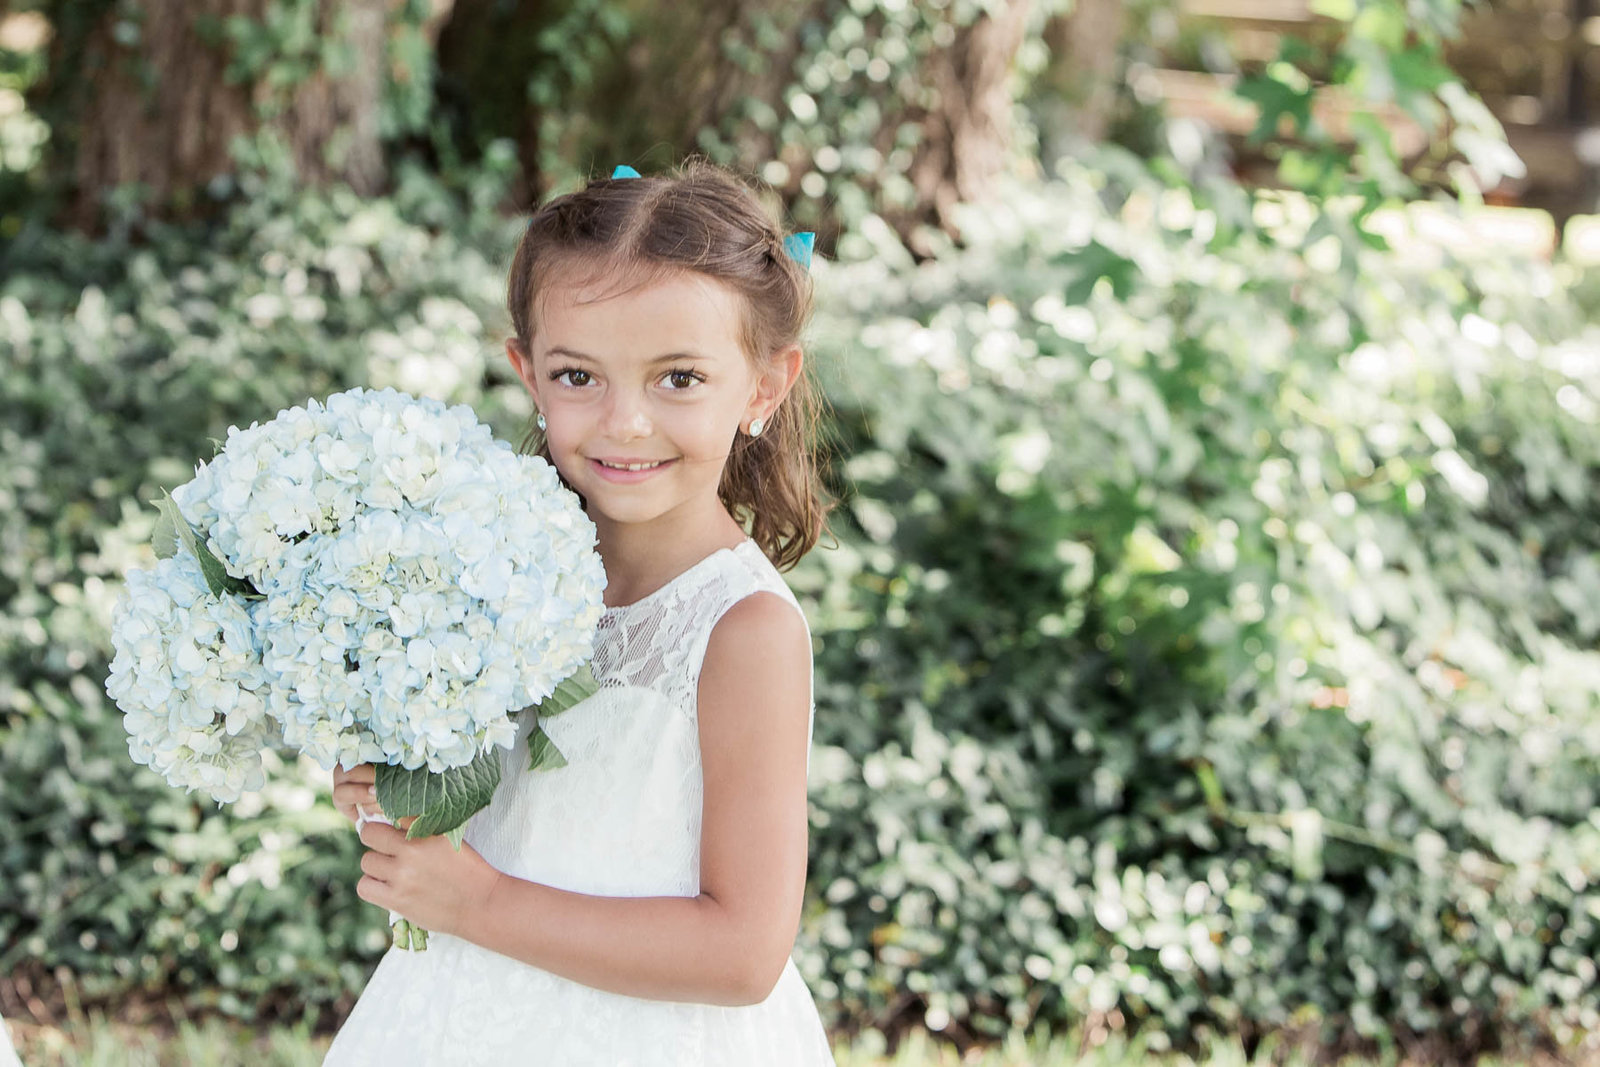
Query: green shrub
point(1208, 644)
point(1212, 642)
point(124, 360)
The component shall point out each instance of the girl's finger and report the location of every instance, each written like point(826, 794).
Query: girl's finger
point(378, 836)
point(377, 865)
point(372, 891)
point(361, 772)
point(355, 793)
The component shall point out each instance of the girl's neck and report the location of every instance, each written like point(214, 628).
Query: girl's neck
point(641, 558)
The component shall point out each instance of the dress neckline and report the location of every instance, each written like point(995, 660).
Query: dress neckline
point(660, 590)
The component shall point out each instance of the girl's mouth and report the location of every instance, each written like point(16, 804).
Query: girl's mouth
point(622, 470)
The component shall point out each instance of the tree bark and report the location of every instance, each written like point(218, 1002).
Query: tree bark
point(672, 81)
point(486, 52)
point(967, 136)
point(1084, 47)
point(159, 100)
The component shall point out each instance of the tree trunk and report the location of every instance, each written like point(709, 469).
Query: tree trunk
point(1084, 68)
point(159, 98)
point(671, 85)
point(604, 96)
point(967, 136)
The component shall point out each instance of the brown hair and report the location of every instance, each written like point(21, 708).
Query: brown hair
point(704, 219)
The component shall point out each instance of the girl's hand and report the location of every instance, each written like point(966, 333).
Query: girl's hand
point(351, 788)
point(424, 879)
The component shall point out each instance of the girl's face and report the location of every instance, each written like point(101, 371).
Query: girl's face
point(643, 393)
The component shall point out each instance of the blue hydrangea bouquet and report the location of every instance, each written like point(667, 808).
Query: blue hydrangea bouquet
point(374, 579)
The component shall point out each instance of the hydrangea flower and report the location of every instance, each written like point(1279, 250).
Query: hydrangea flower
point(420, 582)
point(188, 676)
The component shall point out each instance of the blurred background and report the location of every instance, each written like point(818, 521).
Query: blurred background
point(1207, 642)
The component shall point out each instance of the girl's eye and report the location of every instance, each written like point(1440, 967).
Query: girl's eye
point(573, 375)
point(682, 379)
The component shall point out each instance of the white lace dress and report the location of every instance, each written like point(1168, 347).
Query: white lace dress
point(621, 819)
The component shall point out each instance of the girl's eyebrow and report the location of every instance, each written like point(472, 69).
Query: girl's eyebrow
point(669, 357)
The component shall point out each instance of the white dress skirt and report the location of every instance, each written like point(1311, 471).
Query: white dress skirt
point(622, 818)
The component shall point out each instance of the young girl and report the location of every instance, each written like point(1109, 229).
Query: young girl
point(639, 905)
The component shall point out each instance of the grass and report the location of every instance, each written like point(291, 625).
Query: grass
point(98, 1042)
point(102, 1043)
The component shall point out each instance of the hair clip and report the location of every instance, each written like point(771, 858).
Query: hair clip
point(624, 171)
point(799, 246)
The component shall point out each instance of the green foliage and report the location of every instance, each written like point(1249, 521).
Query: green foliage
point(215, 1043)
point(854, 92)
point(295, 41)
point(1212, 635)
point(532, 75)
point(23, 135)
point(828, 102)
point(172, 529)
point(1382, 54)
point(542, 751)
point(442, 801)
point(125, 358)
point(1210, 639)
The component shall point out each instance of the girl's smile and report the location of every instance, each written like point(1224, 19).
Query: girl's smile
point(628, 472)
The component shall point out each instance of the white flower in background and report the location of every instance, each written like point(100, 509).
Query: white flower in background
point(188, 675)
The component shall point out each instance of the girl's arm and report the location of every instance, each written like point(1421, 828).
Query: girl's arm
point(729, 944)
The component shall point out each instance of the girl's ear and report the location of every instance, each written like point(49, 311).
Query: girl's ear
point(774, 381)
point(522, 363)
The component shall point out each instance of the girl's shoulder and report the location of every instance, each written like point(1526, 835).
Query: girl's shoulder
point(754, 644)
point(660, 640)
point(736, 576)
point(743, 620)
point(753, 572)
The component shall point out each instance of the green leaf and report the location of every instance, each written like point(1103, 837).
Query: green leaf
point(542, 752)
point(1210, 788)
point(1095, 262)
point(1275, 99)
point(164, 538)
point(1383, 24)
point(442, 801)
point(579, 686)
point(1420, 69)
point(218, 580)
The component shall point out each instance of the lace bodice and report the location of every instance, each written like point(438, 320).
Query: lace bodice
point(632, 779)
point(622, 818)
point(659, 641)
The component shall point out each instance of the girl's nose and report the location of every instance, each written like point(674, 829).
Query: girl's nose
point(626, 419)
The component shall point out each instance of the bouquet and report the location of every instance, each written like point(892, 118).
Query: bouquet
point(373, 579)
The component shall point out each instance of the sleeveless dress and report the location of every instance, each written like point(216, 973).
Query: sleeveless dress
point(622, 818)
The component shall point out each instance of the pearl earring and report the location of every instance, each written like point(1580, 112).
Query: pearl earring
point(540, 420)
point(755, 426)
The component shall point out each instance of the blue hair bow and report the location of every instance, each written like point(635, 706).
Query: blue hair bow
point(799, 246)
point(624, 171)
